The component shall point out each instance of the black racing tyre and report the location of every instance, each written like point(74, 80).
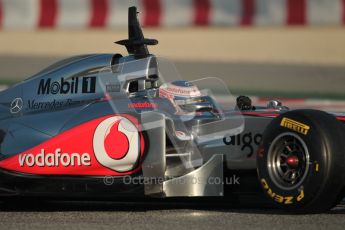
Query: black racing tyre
point(301, 161)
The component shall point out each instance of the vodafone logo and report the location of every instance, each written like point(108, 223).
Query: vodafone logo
point(116, 144)
point(109, 145)
point(43, 159)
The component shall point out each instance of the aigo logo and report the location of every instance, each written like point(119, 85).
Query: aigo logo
point(118, 144)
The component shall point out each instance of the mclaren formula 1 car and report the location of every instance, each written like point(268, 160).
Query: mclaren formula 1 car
point(108, 125)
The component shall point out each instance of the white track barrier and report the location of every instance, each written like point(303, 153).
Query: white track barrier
point(32, 14)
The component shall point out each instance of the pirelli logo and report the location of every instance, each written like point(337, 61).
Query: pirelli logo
point(295, 125)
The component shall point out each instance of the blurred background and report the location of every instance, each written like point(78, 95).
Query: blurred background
point(291, 49)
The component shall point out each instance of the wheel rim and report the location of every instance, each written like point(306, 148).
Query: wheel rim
point(288, 161)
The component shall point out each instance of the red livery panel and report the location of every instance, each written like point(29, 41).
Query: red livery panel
point(110, 145)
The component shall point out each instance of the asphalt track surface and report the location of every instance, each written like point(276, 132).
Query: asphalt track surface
point(182, 214)
point(159, 215)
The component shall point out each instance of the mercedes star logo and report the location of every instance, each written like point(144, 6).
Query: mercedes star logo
point(16, 105)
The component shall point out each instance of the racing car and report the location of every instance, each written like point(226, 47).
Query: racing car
point(108, 125)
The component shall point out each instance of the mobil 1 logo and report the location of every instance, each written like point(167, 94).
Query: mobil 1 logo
point(70, 86)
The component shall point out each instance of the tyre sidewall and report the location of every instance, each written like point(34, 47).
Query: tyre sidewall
point(318, 145)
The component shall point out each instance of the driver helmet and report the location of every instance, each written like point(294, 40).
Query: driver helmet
point(179, 93)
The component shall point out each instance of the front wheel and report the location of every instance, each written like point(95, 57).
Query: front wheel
point(301, 161)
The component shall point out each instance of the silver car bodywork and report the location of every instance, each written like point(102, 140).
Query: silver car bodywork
point(82, 89)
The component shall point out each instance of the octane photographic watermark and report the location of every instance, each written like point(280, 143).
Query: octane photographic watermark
point(141, 180)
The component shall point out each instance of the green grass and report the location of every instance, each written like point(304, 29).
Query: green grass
point(8, 82)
